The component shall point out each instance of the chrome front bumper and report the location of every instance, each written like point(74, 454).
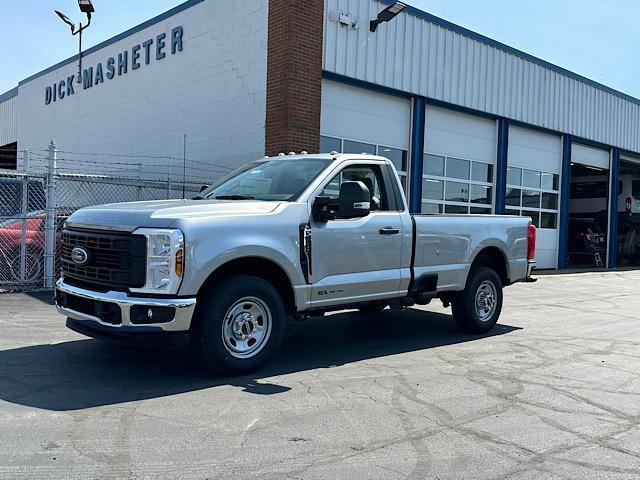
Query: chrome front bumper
point(181, 322)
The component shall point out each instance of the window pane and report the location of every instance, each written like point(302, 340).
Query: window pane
point(482, 172)
point(329, 144)
point(457, 168)
point(433, 165)
point(457, 192)
point(531, 178)
point(530, 199)
point(431, 208)
point(548, 220)
point(403, 183)
point(550, 201)
point(534, 216)
point(481, 194)
point(513, 197)
point(455, 209)
point(432, 189)
point(481, 211)
point(514, 175)
point(359, 147)
point(398, 157)
point(550, 181)
point(513, 212)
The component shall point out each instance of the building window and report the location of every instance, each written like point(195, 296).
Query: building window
point(533, 193)
point(9, 156)
point(456, 185)
point(398, 156)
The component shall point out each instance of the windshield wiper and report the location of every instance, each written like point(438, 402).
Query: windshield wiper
point(234, 197)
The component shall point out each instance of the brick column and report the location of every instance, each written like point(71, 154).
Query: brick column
point(294, 76)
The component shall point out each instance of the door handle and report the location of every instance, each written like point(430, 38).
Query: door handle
point(389, 231)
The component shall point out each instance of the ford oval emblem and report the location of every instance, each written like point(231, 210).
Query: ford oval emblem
point(79, 256)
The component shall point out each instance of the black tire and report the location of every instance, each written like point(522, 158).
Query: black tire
point(216, 303)
point(370, 309)
point(465, 313)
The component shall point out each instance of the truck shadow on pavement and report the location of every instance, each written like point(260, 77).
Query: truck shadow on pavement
point(87, 373)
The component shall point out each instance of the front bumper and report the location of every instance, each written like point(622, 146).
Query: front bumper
point(183, 309)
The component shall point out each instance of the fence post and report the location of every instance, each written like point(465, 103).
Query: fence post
point(168, 179)
point(24, 210)
point(139, 181)
point(50, 223)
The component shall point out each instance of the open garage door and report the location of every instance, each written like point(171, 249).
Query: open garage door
point(355, 120)
point(533, 182)
point(628, 235)
point(588, 207)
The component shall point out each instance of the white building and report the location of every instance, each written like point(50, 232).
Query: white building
point(474, 125)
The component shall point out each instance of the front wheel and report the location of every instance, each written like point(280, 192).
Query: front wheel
point(477, 308)
point(239, 324)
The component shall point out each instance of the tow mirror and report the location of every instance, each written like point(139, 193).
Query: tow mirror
point(354, 200)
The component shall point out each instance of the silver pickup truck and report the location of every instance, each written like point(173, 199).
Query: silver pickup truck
point(282, 237)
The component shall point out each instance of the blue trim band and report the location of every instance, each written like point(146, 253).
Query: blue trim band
point(506, 48)
point(418, 114)
point(117, 38)
point(363, 84)
point(501, 165)
point(10, 94)
point(613, 209)
point(565, 194)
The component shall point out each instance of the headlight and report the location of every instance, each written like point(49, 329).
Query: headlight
point(165, 260)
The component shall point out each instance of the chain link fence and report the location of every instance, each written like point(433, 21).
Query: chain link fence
point(35, 203)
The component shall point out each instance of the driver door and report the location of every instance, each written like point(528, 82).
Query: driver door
point(358, 259)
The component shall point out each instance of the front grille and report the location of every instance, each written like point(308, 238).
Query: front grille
point(117, 261)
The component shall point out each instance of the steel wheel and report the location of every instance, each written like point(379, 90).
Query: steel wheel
point(486, 300)
point(246, 327)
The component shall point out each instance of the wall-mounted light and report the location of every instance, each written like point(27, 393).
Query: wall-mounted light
point(386, 15)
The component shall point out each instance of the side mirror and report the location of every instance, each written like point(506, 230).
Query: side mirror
point(354, 200)
point(323, 209)
point(203, 188)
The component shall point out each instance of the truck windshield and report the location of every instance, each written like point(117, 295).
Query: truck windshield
point(278, 179)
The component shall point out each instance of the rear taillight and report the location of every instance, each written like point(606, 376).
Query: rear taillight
point(531, 242)
point(628, 205)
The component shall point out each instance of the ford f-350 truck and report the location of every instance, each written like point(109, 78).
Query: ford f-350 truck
point(282, 237)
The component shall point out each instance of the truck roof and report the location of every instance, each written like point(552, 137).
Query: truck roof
point(326, 156)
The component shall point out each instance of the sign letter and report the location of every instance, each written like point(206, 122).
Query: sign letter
point(160, 46)
point(176, 39)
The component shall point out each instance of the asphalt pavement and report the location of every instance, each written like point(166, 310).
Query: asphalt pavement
point(552, 393)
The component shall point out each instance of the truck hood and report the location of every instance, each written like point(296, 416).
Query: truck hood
point(162, 213)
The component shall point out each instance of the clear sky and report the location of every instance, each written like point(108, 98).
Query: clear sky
point(597, 39)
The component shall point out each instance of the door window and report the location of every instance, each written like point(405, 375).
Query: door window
point(370, 175)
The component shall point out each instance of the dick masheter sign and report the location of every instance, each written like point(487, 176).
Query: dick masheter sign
point(154, 49)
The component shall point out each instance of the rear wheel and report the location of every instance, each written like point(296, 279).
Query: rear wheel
point(239, 324)
point(477, 308)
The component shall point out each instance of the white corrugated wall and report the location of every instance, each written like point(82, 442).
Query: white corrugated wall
point(414, 55)
point(9, 121)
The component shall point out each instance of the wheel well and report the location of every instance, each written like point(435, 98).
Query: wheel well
point(494, 258)
point(257, 267)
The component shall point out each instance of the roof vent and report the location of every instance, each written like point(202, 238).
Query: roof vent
point(292, 153)
point(333, 153)
point(304, 152)
point(281, 154)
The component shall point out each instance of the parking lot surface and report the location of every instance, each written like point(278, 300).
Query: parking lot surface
point(553, 393)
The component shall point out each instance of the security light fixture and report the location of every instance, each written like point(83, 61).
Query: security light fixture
point(66, 20)
point(86, 7)
point(387, 15)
